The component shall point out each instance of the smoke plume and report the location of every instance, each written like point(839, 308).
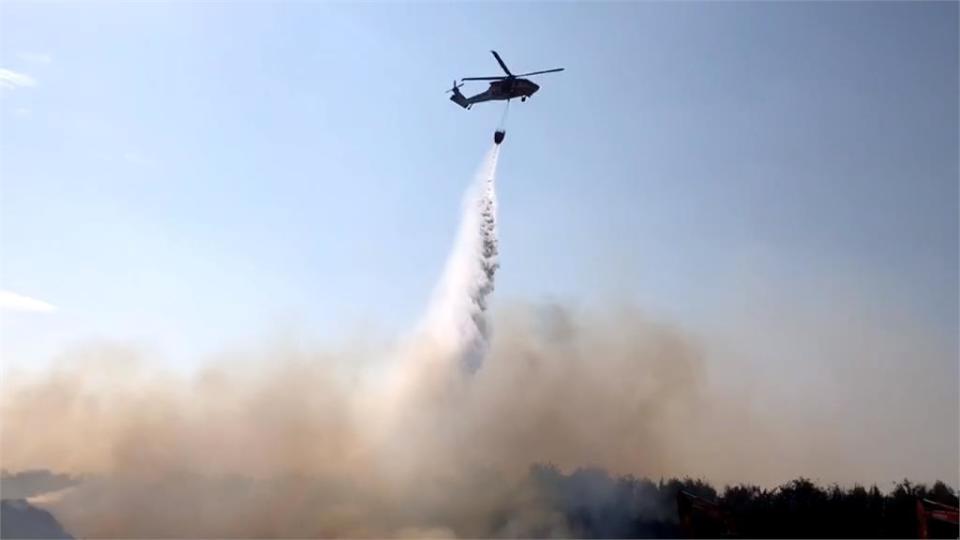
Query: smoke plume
point(293, 443)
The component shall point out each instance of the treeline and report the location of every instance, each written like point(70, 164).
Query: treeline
point(591, 503)
point(598, 505)
point(24, 484)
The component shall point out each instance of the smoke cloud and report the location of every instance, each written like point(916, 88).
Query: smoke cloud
point(296, 444)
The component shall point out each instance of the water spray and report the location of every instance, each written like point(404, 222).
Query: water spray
point(456, 319)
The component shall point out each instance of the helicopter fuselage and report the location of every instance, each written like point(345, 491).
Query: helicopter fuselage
point(501, 90)
point(510, 88)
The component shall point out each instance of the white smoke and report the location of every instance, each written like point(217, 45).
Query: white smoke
point(456, 318)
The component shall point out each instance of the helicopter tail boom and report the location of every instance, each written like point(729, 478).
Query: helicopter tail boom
point(457, 97)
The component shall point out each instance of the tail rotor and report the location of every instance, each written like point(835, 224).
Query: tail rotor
point(457, 97)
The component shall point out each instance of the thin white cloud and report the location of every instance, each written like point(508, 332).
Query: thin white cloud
point(12, 301)
point(11, 79)
point(22, 111)
point(35, 57)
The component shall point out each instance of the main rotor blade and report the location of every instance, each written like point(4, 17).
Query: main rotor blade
point(539, 72)
point(500, 61)
point(482, 78)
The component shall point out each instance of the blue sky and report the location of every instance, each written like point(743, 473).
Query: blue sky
point(190, 176)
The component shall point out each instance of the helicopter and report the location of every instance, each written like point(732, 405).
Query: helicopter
point(503, 87)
